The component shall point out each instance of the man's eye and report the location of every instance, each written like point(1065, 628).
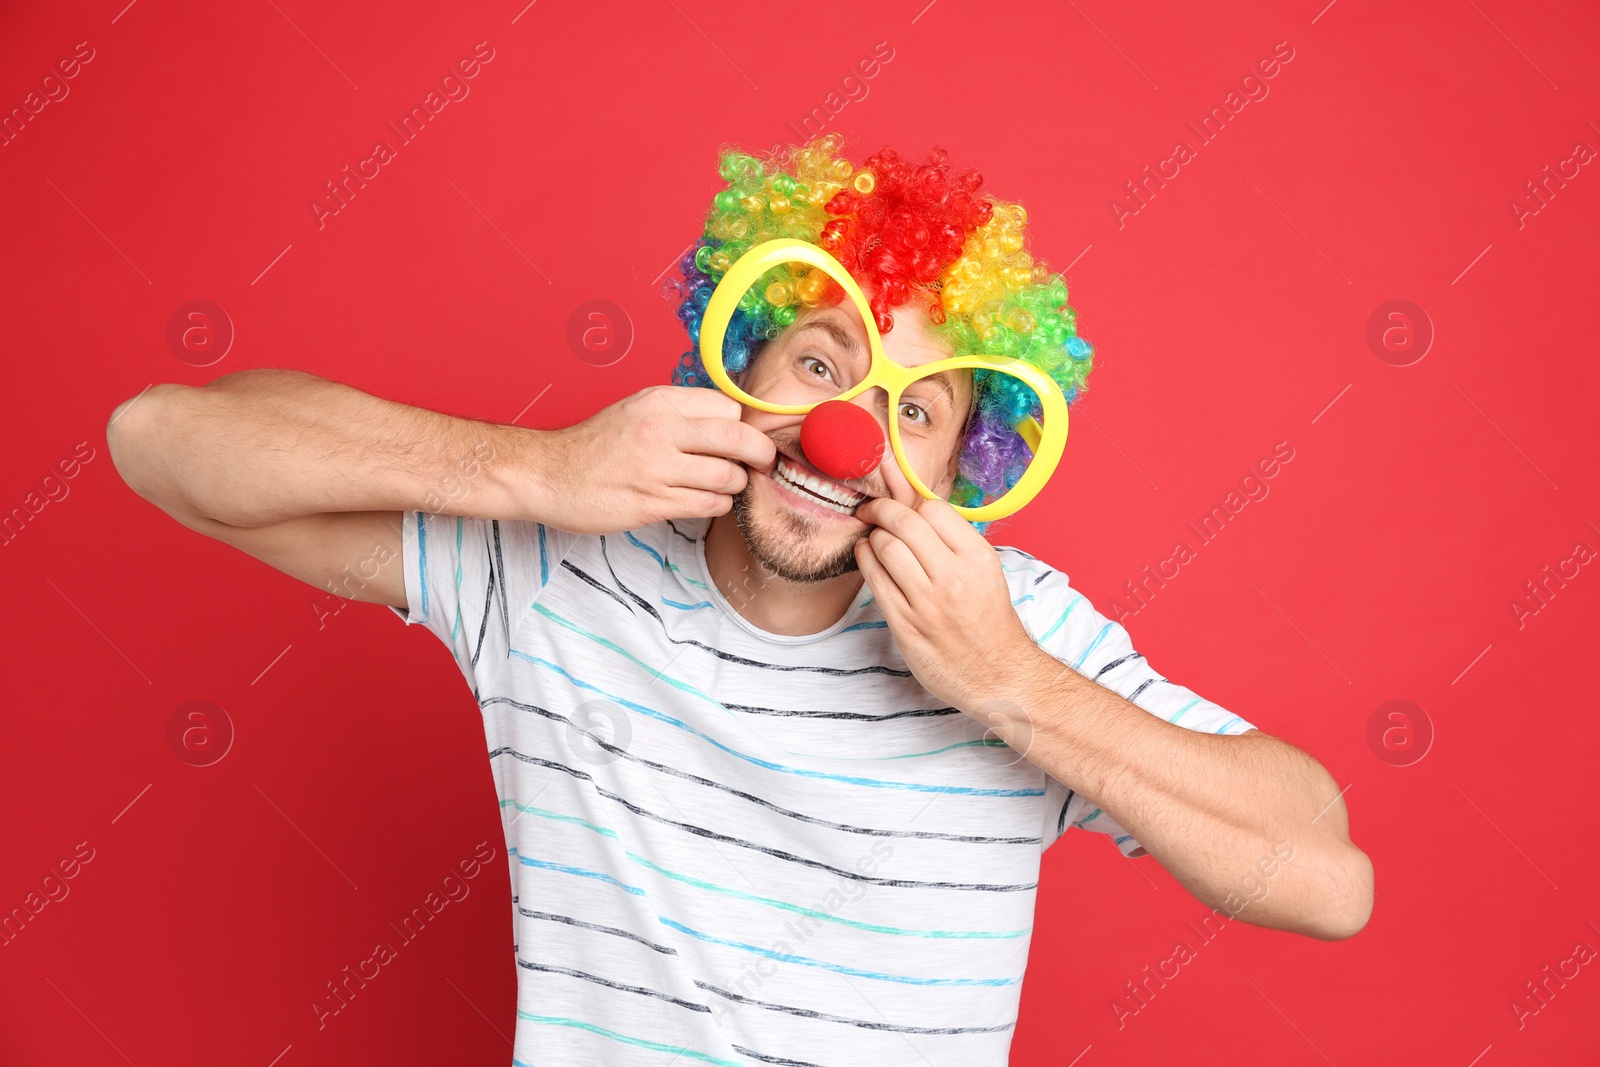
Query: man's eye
point(816, 367)
point(915, 410)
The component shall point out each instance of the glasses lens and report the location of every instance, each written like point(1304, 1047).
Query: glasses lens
point(996, 454)
point(932, 412)
point(805, 340)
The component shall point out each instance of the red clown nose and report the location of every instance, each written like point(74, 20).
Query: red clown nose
point(843, 440)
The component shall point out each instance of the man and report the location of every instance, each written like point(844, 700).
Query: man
point(777, 752)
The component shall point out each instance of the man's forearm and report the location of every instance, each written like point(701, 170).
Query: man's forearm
point(261, 446)
point(1209, 808)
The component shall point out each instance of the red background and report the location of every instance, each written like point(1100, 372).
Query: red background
point(1229, 313)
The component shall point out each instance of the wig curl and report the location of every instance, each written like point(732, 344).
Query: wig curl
point(911, 235)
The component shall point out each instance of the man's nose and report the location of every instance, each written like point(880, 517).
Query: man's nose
point(844, 440)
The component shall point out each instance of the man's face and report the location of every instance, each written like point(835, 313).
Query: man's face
point(787, 529)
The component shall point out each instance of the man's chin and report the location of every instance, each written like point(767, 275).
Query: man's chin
point(790, 545)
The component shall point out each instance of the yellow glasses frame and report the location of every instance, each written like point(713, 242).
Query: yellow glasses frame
point(1047, 442)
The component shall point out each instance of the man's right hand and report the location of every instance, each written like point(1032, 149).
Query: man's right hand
point(666, 452)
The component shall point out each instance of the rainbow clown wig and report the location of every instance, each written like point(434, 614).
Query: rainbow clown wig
point(909, 234)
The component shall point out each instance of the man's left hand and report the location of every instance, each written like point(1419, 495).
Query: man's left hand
point(940, 588)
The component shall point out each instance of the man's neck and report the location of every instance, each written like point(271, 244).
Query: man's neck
point(774, 604)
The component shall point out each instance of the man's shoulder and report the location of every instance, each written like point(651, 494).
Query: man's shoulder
point(1041, 592)
point(668, 544)
point(664, 536)
point(1021, 566)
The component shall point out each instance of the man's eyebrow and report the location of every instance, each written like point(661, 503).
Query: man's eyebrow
point(841, 337)
point(947, 380)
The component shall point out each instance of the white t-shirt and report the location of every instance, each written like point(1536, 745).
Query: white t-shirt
point(733, 847)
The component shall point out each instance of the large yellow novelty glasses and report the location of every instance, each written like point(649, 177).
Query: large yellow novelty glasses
point(819, 358)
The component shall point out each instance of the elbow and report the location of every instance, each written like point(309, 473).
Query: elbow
point(134, 441)
point(1350, 904)
point(122, 439)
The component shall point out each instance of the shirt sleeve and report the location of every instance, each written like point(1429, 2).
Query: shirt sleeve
point(1067, 626)
point(472, 581)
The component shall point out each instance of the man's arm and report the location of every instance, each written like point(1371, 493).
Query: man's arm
point(1212, 809)
point(310, 476)
point(1219, 812)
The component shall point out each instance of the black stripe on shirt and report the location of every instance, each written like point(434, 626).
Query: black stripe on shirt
point(1119, 661)
point(567, 565)
point(1146, 684)
point(665, 950)
point(483, 627)
point(913, 713)
point(500, 566)
point(741, 1050)
point(1061, 823)
point(680, 533)
point(597, 980)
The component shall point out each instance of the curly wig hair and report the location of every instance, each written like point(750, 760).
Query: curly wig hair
point(910, 234)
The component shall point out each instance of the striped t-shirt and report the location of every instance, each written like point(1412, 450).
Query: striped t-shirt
point(733, 847)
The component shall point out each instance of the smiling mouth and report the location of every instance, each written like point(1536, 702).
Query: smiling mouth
point(822, 491)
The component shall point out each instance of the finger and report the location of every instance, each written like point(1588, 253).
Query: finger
point(692, 471)
point(891, 602)
point(698, 402)
point(912, 528)
point(902, 564)
point(689, 411)
point(957, 533)
point(696, 503)
point(728, 438)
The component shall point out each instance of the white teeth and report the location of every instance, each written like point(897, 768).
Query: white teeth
point(837, 497)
